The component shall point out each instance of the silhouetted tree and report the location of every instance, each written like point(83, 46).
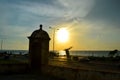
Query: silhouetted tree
point(113, 53)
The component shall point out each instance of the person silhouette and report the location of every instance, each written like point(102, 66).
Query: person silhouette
point(67, 52)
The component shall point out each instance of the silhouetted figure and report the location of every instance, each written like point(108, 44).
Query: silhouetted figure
point(67, 52)
point(112, 53)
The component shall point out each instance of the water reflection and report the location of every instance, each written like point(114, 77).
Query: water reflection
point(62, 53)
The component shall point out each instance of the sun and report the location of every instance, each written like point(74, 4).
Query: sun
point(62, 35)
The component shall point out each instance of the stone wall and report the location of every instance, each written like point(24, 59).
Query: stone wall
point(65, 73)
point(80, 74)
point(13, 68)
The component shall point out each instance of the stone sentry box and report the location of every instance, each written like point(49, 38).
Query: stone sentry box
point(38, 49)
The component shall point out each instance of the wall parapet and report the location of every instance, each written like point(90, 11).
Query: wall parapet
point(71, 73)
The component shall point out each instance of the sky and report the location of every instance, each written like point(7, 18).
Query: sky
point(92, 24)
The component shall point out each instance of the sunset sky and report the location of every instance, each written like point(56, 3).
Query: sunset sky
point(91, 24)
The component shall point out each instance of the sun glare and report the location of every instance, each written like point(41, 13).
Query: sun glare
point(62, 35)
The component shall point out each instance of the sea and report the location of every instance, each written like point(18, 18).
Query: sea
point(72, 52)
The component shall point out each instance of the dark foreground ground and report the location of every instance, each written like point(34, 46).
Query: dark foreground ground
point(97, 65)
point(27, 77)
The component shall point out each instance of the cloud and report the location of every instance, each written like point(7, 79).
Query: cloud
point(60, 9)
point(47, 12)
point(13, 31)
point(77, 8)
point(106, 11)
point(86, 19)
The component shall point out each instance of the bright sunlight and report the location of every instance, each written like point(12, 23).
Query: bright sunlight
point(62, 35)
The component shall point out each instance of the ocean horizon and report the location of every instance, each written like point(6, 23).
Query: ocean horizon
point(97, 53)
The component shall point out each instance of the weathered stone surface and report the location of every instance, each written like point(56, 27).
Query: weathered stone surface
point(38, 48)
